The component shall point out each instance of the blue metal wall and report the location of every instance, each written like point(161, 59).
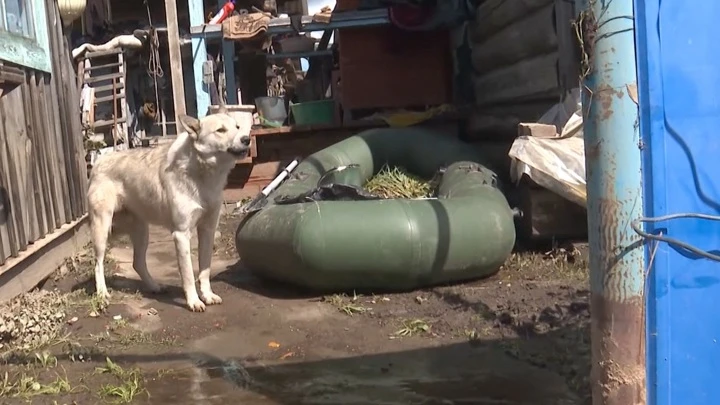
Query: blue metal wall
point(678, 50)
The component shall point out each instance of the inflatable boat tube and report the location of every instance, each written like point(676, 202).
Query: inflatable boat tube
point(391, 244)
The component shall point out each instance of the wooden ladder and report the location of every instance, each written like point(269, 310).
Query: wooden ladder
point(108, 88)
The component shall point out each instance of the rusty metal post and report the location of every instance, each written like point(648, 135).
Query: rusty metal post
point(614, 191)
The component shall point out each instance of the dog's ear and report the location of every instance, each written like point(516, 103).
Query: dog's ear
point(191, 125)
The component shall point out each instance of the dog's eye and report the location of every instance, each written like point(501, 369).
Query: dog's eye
point(222, 130)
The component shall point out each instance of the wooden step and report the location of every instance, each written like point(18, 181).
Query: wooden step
point(90, 55)
point(105, 123)
point(107, 65)
point(109, 87)
point(105, 99)
point(96, 79)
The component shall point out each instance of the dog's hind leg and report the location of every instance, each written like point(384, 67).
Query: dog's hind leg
point(206, 237)
point(139, 232)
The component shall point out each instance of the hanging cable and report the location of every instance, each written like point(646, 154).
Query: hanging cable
point(672, 241)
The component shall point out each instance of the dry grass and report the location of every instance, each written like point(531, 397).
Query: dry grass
point(412, 327)
point(558, 263)
point(347, 305)
point(395, 183)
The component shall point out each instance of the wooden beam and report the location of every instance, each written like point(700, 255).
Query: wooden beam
point(176, 69)
point(202, 94)
point(228, 49)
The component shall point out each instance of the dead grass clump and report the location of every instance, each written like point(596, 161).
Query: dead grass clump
point(396, 183)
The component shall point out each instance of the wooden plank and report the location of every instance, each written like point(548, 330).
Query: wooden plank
point(123, 102)
point(35, 132)
point(228, 52)
point(531, 36)
point(75, 128)
point(47, 159)
point(176, 68)
point(56, 162)
point(105, 66)
point(98, 54)
point(105, 99)
point(9, 156)
point(5, 229)
point(105, 123)
point(70, 131)
point(22, 274)
point(102, 78)
point(60, 115)
point(117, 86)
point(297, 129)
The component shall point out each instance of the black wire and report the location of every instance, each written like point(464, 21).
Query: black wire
point(672, 241)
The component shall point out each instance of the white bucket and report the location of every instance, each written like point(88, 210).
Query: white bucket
point(271, 108)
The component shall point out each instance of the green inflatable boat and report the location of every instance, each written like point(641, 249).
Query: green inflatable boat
point(467, 232)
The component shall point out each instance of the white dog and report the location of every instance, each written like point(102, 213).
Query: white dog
point(178, 186)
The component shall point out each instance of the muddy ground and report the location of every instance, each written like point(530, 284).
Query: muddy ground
point(519, 337)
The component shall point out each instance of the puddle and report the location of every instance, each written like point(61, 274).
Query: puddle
point(354, 381)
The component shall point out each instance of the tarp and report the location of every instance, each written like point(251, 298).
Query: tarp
point(556, 163)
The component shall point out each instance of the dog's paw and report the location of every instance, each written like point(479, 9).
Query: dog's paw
point(210, 298)
point(196, 305)
point(103, 294)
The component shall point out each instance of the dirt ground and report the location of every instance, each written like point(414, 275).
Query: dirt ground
point(520, 337)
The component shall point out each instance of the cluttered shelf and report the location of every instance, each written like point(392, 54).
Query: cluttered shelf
point(291, 129)
point(437, 115)
point(340, 19)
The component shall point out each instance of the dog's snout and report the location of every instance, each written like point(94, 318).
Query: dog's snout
point(245, 140)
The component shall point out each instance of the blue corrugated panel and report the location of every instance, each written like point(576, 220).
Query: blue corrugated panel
point(678, 51)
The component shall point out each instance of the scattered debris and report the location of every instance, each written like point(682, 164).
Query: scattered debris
point(32, 320)
point(412, 327)
point(345, 304)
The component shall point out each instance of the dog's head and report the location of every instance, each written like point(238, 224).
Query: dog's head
point(216, 135)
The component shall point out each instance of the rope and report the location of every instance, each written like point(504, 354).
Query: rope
point(672, 241)
point(154, 69)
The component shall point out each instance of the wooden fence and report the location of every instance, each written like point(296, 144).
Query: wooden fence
point(43, 177)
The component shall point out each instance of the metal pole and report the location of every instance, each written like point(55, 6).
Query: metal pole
point(196, 9)
point(614, 189)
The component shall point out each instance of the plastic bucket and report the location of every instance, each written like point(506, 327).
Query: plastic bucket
point(271, 108)
point(314, 112)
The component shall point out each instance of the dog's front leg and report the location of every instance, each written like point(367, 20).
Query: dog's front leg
point(206, 238)
point(184, 257)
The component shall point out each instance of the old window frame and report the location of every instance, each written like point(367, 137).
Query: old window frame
point(34, 52)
